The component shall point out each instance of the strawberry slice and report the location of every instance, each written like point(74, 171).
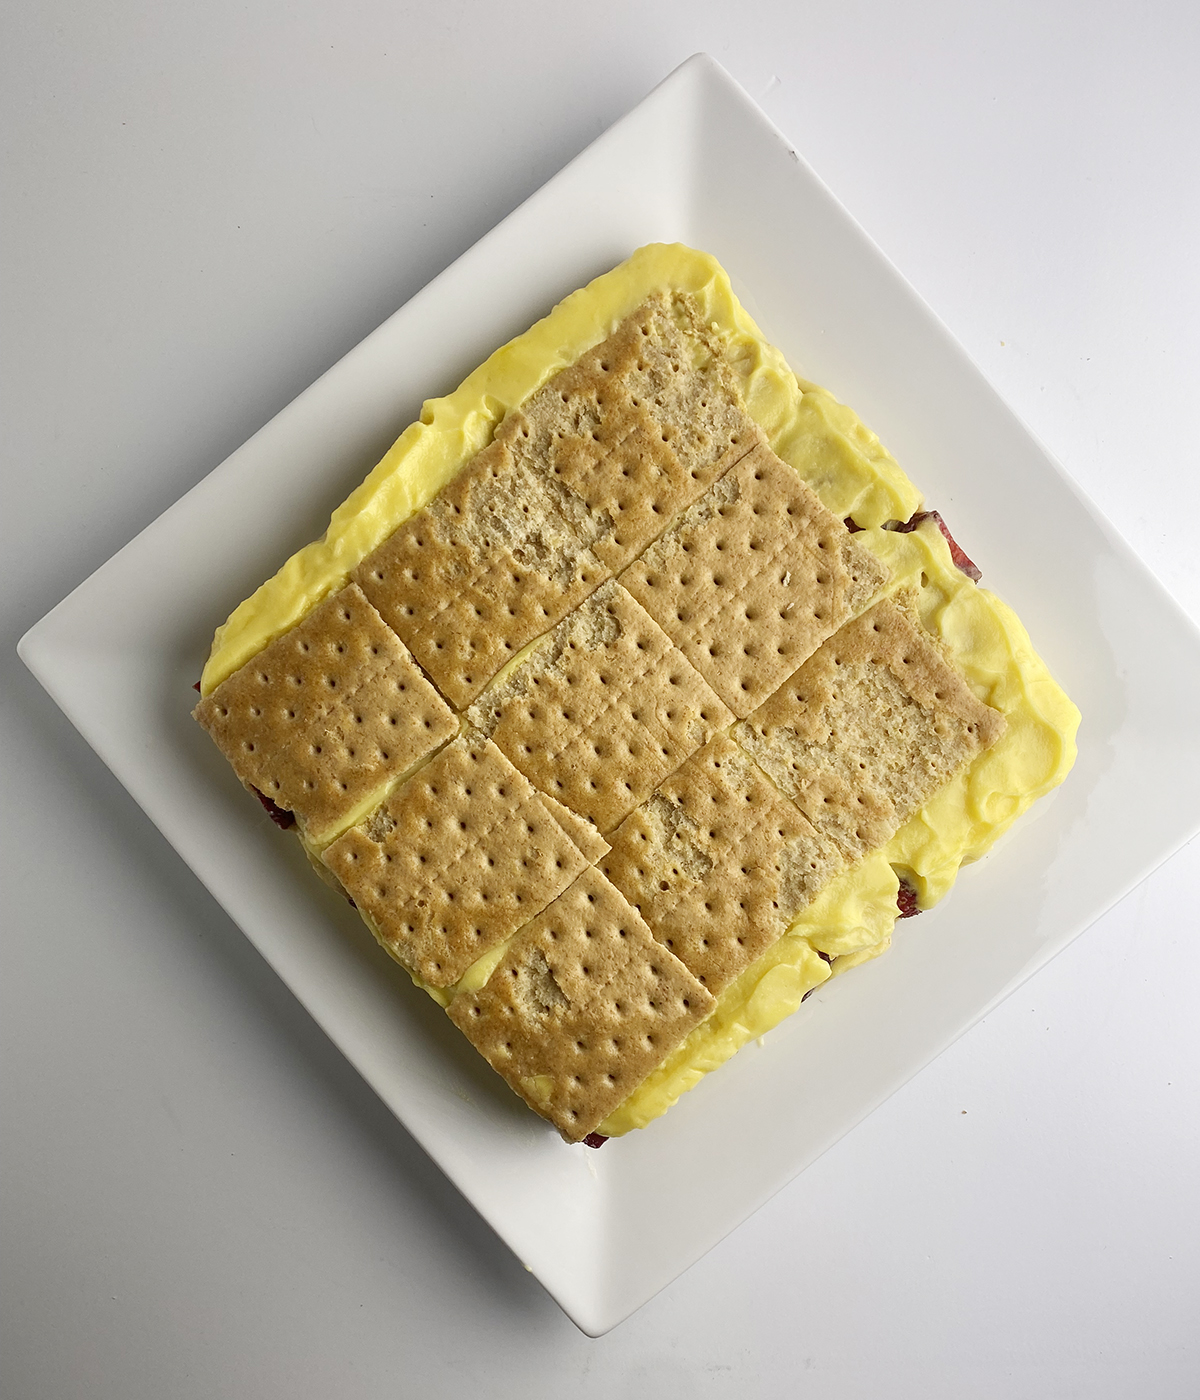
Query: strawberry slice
point(279, 815)
point(906, 901)
point(960, 559)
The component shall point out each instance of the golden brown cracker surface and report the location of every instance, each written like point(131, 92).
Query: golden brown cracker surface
point(718, 863)
point(602, 710)
point(752, 578)
point(327, 714)
point(869, 728)
point(456, 860)
point(581, 1007)
point(497, 558)
point(584, 833)
point(577, 481)
point(639, 426)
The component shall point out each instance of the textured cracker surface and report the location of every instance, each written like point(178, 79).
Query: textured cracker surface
point(638, 427)
point(575, 484)
point(718, 863)
point(456, 860)
point(581, 1007)
point(498, 557)
point(869, 728)
point(585, 834)
point(327, 714)
point(603, 710)
point(753, 578)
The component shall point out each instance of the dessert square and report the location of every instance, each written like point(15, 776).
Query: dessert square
point(581, 1007)
point(602, 710)
point(455, 861)
point(752, 579)
point(327, 715)
point(644, 623)
point(718, 863)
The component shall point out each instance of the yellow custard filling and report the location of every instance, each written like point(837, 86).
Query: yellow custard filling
point(843, 461)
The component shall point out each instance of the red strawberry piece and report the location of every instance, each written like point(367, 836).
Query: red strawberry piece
point(906, 901)
point(279, 815)
point(960, 559)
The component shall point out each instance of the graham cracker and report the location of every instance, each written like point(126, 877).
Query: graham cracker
point(752, 579)
point(496, 559)
point(869, 728)
point(718, 863)
point(584, 833)
point(581, 1007)
point(639, 426)
point(602, 710)
point(576, 482)
point(327, 714)
point(455, 861)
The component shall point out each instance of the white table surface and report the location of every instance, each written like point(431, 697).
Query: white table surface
point(205, 206)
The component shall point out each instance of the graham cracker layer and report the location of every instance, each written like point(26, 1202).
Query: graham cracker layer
point(498, 557)
point(602, 710)
point(704, 727)
point(584, 833)
point(455, 861)
point(718, 863)
point(640, 426)
point(752, 579)
point(327, 714)
point(581, 1007)
point(869, 728)
point(575, 484)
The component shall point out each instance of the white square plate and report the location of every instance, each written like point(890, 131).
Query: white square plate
point(696, 161)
